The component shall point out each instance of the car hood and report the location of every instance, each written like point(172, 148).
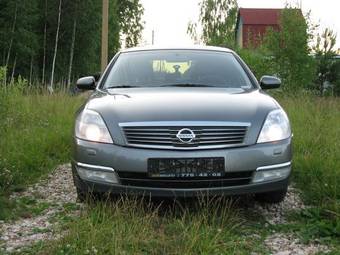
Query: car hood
point(183, 104)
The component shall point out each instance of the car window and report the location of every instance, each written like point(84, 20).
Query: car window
point(170, 67)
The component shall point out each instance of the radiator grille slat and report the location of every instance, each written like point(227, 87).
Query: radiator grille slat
point(166, 136)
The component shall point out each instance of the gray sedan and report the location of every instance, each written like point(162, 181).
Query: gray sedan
point(181, 122)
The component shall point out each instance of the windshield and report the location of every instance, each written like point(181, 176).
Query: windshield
point(192, 68)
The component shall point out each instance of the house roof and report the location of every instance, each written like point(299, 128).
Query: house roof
point(251, 16)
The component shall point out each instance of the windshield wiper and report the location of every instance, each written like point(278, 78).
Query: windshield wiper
point(121, 87)
point(186, 85)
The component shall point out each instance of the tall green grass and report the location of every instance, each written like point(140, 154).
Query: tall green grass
point(35, 133)
point(136, 226)
point(316, 126)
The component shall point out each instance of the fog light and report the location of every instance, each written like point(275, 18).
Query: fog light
point(96, 173)
point(269, 173)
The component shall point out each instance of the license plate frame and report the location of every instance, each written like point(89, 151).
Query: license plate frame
point(185, 168)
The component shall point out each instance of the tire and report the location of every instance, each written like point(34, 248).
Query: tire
point(273, 197)
point(90, 197)
point(81, 196)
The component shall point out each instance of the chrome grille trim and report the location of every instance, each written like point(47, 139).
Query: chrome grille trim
point(162, 135)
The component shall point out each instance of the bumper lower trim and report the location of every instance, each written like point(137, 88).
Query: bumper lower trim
point(270, 167)
point(95, 167)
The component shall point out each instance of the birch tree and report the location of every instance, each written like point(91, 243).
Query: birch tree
point(12, 33)
point(44, 46)
point(48, 46)
point(217, 19)
point(72, 50)
point(50, 88)
point(73, 39)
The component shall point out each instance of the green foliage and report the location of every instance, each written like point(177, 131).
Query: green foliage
point(319, 223)
point(136, 226)
point(18, 21)
point(259, 61)
point(130, 20)
point(327, 68)
point(316, 146)
point(315, 124)
point(24, 207)
point(218, 19)
point(22, 32)
point(36, 132)
point(289, 48)
point(336, 71)
point(3, 74)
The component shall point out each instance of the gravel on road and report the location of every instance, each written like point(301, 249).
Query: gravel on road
point(57, 190)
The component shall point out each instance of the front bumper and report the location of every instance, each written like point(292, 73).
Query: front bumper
point(132, 160)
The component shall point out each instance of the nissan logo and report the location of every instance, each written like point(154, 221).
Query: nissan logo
point(186, 135)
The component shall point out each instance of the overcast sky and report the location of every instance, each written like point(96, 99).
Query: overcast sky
point(169, 18)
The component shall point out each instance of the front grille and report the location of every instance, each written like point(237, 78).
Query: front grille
point(166, 136)
point(142, 180)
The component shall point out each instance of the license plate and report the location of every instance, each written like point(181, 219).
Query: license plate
point(186, 167)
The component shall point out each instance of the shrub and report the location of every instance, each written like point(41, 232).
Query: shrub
point(290, 51)
point(326, 70)
point(259, 62)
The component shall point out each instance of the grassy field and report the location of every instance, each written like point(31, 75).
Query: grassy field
point(35, 133)
point(316, 126)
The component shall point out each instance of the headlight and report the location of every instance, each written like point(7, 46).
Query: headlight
point(275, 128)
point(91, 127)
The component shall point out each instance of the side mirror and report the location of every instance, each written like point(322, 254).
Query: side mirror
point(270, 82)
point(86, 83)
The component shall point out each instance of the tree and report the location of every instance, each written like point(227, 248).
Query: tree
point(336, 71)
point(18, 38)
point(73, 39)
point(289, 49)
point(37, 35)
point(12, 34)
point(44, 45)
point(218, 20)
point(324, 54)
point(131, 24)
point(50, 88)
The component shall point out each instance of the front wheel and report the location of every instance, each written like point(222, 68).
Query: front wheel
point(273, 197)
point(81, 196)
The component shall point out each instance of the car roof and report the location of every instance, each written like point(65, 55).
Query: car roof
point(193, 47)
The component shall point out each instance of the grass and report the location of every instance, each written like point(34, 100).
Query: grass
point(23, 207)
point(134, 226)
point(35, 136)
point(316, 126)
point(35, 131)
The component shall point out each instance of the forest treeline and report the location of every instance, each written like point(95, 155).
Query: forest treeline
point(39, 38)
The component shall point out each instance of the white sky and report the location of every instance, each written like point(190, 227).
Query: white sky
point(169, 18)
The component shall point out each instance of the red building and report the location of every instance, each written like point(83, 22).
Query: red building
point(252, 25)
